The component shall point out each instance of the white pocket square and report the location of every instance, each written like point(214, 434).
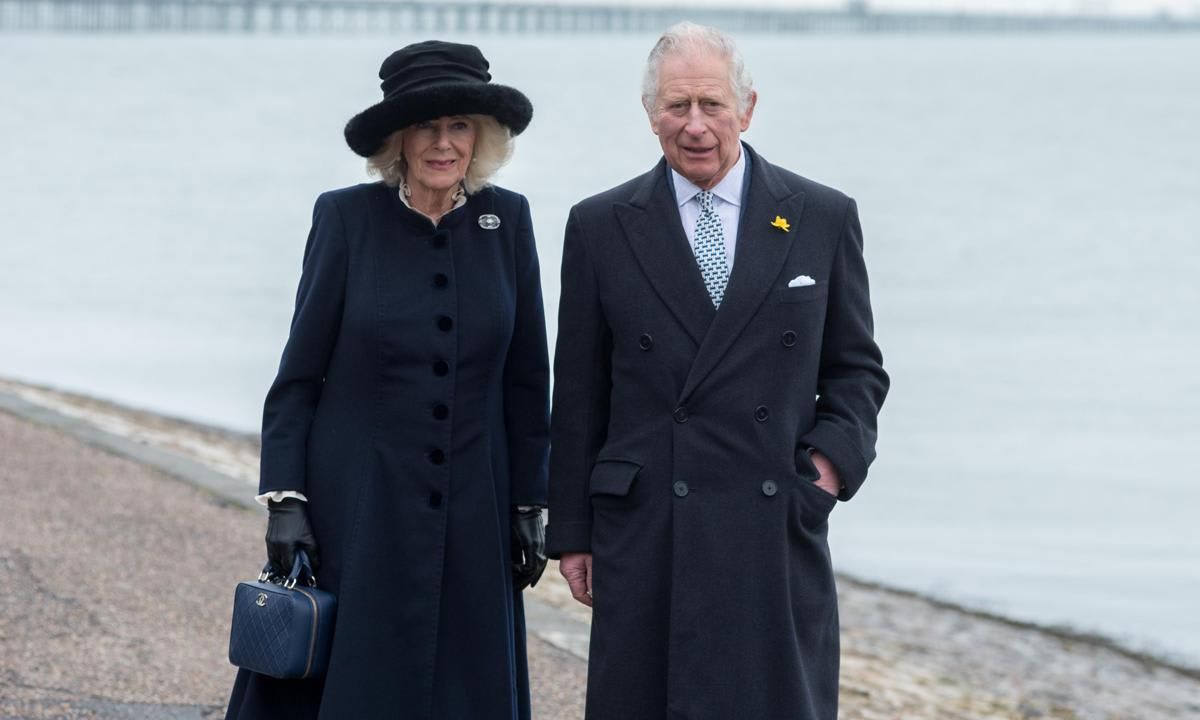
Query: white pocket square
point(801, 281)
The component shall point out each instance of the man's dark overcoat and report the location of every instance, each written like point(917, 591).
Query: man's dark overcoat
point(411, 408)
point(680, 446)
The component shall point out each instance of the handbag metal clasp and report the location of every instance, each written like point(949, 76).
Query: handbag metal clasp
point(261, 601)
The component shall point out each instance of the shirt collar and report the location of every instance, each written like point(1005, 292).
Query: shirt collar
point(460, 196)
point(729, 189)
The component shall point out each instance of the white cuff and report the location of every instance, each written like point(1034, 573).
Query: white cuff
point(278, 496)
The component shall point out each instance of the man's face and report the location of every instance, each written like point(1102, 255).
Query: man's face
point(696, 118)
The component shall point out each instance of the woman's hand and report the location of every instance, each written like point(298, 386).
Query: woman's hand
point(528, 547)
point(288, 530)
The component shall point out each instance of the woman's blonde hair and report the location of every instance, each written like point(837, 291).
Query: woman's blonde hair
point(493, 148)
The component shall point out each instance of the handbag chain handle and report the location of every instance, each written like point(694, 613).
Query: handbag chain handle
point(301, 568)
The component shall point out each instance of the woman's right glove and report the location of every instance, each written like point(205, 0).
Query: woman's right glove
point(288, 530)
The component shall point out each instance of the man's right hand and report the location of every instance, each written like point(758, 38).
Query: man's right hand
point(288, 530)
point(577, 569)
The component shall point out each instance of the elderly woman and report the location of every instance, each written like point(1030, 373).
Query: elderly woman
point(405, 437)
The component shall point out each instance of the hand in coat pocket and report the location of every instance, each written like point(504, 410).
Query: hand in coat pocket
point(829, 480)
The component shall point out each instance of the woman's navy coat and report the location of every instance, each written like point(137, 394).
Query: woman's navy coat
point(411, 408)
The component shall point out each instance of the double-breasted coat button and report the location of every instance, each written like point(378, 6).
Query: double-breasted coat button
point(440, 412)
point(680, 488)
point(645, 342)
point(436, 456)
point(680, 415)
point(444, 323)
point(440, 280)
point(769, 489)
point(761, 413)
point(440, 368)
point(435, 498)
point(788, 338)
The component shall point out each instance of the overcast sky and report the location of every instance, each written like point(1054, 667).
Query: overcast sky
point(1124, 7)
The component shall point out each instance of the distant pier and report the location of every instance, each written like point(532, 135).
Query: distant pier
point(496, 16)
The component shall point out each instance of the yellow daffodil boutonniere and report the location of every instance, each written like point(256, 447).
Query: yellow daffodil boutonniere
point(781, 223)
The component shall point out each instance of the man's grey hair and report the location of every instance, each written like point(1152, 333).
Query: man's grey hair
point(688, 36)
point(493, 148)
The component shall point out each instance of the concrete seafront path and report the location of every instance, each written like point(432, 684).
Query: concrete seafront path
point(97, 618)
point(98, 621)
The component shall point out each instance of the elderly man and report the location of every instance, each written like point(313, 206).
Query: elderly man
point(716, 392)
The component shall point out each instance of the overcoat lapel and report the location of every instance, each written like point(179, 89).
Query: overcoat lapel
point(651, 222)
point(761, 251)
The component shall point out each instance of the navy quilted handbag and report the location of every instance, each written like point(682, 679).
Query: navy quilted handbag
point(283, 627)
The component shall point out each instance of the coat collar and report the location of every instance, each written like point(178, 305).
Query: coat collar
point(656, 236)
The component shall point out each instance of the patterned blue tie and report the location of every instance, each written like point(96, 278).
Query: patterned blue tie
point(710, 248)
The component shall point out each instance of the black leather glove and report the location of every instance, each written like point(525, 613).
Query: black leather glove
point(528, 547)
point(288, 530)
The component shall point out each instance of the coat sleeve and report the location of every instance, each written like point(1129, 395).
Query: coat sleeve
point(292, 400)
point(527, 377)
point(851, 382)
point(582, 389)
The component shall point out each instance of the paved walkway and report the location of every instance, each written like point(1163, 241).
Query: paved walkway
point(96, 618)
point(95, 622)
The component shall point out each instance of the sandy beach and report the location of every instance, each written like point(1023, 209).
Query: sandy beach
point(100, 505)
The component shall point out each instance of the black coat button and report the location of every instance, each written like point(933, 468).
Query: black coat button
point(769, 489)
point(680, 488)
point(440, 368)
point(435, 499)
point(439, 240)
point(440, 280)
point(761, 413)
point(788, 338)
point(645, 342)
point(440, 412)
point(436, 456)
point(681, 415)
point(444, 323)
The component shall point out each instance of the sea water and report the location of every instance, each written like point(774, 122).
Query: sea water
point(1031, 209)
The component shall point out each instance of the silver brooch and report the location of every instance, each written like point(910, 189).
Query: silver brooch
point(489, 222)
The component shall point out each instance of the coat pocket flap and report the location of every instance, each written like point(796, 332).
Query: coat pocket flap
point(613, 477)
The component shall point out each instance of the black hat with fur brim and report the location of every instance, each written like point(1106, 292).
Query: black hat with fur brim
point(434, 79)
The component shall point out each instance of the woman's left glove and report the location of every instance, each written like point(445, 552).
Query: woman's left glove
point(528, 547)
point(288, 530)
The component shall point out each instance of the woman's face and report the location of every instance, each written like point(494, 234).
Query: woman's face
point(438, 152)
